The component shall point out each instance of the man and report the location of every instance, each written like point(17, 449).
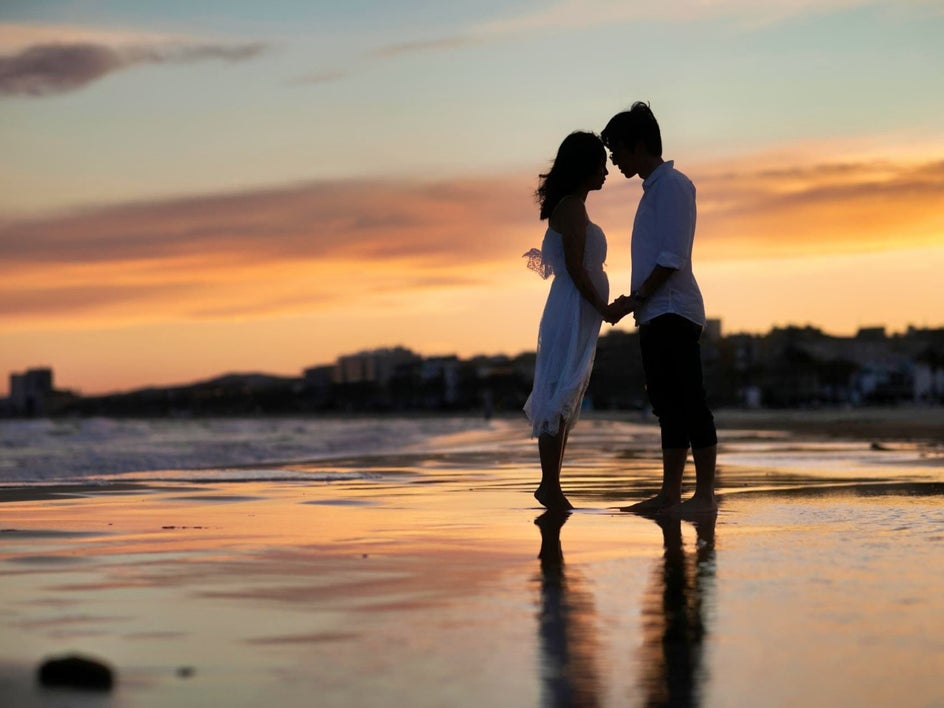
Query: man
point(668, 308)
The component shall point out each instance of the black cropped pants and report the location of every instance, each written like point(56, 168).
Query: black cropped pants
point(671, 360)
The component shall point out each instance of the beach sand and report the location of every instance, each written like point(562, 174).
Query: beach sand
point(818, 583)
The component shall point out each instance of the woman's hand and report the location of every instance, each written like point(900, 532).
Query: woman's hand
point(618, 309)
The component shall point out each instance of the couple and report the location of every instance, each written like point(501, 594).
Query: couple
point(664, 299)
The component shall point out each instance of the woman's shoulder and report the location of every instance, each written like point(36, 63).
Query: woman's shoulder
point(569, 203)
point(569, 210)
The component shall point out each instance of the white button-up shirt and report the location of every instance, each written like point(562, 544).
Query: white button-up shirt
point(663, 234)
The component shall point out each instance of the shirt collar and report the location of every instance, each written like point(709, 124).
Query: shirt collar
point(657, 172)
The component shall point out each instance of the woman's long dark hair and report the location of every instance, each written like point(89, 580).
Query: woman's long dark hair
point(578, 157)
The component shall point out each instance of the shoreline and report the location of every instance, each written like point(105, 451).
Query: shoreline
point(904, 423)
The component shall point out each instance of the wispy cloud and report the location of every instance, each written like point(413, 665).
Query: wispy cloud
point(418, 46)
point(566, 15)
point(17, 36)
point(67, 59)
point(323, 77)
point(570, 14)
point(324, 244)
point(385, 53)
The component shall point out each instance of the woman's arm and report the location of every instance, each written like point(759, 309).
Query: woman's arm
point(570, 219)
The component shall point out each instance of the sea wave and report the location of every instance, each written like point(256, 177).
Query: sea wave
point(103, 450)
point(52, 450)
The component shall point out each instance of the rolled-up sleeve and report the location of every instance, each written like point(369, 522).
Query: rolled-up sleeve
point(676, 228)
point(664, 235)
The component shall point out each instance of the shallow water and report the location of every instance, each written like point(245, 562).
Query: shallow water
point(411, 577)
point(52, 450)
point(244, 449)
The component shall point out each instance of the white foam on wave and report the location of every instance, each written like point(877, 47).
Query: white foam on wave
point(315, 449)
point(35, 451)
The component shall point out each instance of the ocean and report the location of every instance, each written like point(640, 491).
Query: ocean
point(99, 450)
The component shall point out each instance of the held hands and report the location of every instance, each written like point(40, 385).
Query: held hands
point(619, 308)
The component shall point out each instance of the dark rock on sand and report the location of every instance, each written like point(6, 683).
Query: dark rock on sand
point(76, 672)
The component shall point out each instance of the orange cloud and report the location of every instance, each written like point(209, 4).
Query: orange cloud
point(813, 209)
point(255, 253)
point(364, 219)
point(304, 248)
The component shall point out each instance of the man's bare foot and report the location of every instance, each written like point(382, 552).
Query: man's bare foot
point(699, 505)
point(659, 504)
point(553, 499)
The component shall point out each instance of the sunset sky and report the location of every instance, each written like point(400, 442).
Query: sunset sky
point(194, 187)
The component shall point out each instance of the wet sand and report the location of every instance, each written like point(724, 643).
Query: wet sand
point(817, 583)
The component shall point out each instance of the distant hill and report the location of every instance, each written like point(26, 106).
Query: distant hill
point(250, 380)
point(229, 394)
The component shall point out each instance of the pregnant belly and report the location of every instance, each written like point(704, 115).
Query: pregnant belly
point(600, 282)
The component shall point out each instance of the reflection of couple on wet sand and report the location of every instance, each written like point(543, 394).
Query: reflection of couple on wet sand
point(674, 625)
point(664, 298)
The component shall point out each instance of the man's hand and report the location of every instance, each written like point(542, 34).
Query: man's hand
point(619, 308)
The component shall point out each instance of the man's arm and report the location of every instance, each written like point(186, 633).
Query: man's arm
point(657, 278)
point(676, 215)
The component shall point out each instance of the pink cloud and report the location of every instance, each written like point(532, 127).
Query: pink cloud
point(46, 69)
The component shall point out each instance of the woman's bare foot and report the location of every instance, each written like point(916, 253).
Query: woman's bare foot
point(659, 504)
point(553, 499)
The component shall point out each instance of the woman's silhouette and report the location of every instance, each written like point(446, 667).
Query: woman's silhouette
point(569, 671)
point(573, 251)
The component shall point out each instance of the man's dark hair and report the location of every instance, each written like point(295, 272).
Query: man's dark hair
point(634, 126)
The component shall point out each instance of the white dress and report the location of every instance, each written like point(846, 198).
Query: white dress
point(567, 337)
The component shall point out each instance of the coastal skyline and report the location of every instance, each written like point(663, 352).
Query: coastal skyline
point(194, 188)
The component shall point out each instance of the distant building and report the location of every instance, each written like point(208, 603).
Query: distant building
point(713, 330)
point(30, 392)
point(317, 381)
point(872, 334)
point(787, 367)
point(441, 374)
point(318, 377)
point(928, 385)
point(375, 366)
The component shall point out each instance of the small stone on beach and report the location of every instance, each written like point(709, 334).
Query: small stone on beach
point(76, 672)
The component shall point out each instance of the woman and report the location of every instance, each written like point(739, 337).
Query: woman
point(573, 251)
